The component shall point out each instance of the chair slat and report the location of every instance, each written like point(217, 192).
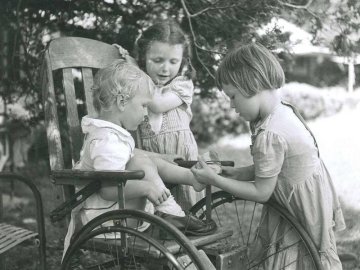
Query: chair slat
point(88, 81)
point(51, 117)
point(72, 114)
point(81, 52)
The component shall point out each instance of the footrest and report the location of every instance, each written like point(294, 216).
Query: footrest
point(142, 247)
point(11, 236)
point(200, 241)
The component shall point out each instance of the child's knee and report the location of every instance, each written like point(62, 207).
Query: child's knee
point(140, 162)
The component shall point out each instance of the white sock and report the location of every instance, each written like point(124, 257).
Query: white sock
point(170, 206)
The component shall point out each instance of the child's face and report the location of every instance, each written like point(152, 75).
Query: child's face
point(135, 110)
point(247, 108)
point(163, 61)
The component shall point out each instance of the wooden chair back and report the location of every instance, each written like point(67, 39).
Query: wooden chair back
point(66, 77)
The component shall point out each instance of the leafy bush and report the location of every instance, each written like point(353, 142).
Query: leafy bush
point(213, 118)
point(313, 102)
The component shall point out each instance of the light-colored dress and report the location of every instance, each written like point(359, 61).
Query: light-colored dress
point(283, 146)
point(109, 147)
point(174, 136)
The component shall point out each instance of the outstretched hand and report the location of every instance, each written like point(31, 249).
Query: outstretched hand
point(203, 173)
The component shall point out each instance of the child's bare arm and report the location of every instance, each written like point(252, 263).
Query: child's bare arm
point(258, 190)
point(163, 102)
point(239, 173)
point(168, 157)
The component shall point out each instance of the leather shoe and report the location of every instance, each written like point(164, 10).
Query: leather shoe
point(189, 224)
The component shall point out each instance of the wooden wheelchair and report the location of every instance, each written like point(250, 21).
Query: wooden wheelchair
point(117, 239)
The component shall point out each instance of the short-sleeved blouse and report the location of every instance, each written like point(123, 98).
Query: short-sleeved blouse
point(174, 136)
point(284, 147)
point(107, 146)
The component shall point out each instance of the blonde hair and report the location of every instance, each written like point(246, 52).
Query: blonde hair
point(118, 82)
point(250, 68)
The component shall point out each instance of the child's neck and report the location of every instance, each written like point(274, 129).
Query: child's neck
point(270, 100)
point(109, 116)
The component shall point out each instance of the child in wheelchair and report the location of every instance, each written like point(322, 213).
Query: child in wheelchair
point(121, 92)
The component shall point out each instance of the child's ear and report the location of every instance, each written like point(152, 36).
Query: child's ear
point(120, 104)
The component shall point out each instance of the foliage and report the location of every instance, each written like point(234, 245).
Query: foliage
point(214, 27)
point(316, 70)
point(313, 102)
point(213, 118)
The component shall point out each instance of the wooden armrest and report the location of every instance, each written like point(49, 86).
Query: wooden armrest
point(79, 177)
point(92, 180)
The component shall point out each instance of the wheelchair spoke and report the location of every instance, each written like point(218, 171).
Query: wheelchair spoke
point(266, 235)
point(150, 247)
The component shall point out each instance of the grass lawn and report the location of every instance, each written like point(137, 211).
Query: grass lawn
point(338, 138)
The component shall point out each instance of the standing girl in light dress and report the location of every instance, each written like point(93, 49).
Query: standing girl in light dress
point(287, 164)
point(163, 52)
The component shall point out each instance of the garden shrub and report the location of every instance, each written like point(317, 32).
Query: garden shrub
point(313, 102)
point(213, 118)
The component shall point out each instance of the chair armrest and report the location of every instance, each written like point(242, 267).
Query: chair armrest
point(92, 181)
point(79, 177)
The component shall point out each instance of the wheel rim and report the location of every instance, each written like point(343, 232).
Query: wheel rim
point(263, 243)
point(144, 249)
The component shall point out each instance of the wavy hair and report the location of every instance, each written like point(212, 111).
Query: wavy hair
point(169, 32)
point(118, 82)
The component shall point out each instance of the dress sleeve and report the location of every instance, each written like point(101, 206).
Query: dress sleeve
point(184, 88)
point(110, 153)
point(268, 154)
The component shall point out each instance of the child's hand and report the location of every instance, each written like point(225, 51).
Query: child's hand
point(203, 173)
point(125, 55)
point(156, 194)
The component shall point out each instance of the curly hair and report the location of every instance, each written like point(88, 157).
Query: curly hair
point(169, 32)
point(118, 82)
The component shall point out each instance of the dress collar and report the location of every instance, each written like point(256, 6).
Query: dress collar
point(88, 122)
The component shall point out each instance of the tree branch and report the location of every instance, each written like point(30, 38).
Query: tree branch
point(197, 46)
point(212, 8)
point(306, 6)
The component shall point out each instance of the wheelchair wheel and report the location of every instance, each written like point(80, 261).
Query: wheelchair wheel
point(262, 243)
point(130, 239)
